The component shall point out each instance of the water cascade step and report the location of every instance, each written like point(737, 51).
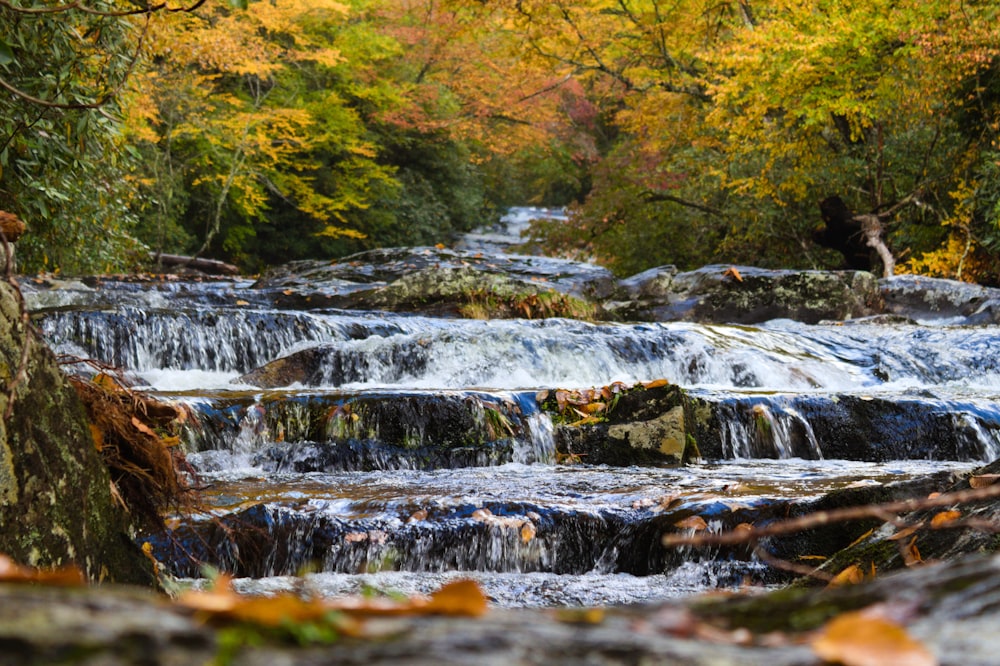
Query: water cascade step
point(342, 447)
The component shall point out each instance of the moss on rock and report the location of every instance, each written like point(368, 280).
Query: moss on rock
point(56, 506)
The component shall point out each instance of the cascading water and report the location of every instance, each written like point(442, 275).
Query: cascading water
point(402, 443)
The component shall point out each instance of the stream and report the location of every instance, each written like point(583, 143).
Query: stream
point(354, 479)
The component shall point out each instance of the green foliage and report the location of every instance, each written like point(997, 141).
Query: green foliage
point(63, 160)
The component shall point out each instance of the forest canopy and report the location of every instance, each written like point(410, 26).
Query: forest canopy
point(681, 132)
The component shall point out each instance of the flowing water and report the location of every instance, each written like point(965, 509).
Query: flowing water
point(355, 477)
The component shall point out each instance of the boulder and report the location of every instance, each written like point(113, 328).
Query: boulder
point(747, 295)
point(633, 425)
point(56, 505)
point(924, 298)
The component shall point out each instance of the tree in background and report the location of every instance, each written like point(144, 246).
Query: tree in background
point(63, 157)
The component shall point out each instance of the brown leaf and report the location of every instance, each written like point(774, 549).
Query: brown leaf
point(696, 523)
point(656, 383)
point(905, 532)
point(857, 639)
point(142, 427)
point(733, 273)
point(12, 572)
point(594, 407)
point(983, 480)
point(461, 597)
point(910, 553)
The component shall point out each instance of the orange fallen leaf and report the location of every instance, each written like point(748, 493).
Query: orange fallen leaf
point(858, 639)
point(910, 553)
point(733, 273)
point(12, 572)
point(852, 575)
point(461, 597)
point(528, 531)
point(945, 517)
point(656, 383)
point(242, 302)
point(861, 538)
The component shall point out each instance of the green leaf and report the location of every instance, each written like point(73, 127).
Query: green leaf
point(6, 53)
point(239, 4)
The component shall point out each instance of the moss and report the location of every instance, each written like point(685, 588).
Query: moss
point(63, 511)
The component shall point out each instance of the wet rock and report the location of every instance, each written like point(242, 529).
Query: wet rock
point(639, 426)
point(55, 501)
point(326, 284)
point(842, 426)
point(746, 295)
point(947, 607)
point(926, 298)
point(887, 552)
point(469, 292)
point(369, 431)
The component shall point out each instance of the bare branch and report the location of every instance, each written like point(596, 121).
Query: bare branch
point(821, 518)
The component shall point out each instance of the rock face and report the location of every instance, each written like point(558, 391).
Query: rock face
point(55, 501)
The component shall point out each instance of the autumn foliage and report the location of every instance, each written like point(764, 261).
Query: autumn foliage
point(680, 132)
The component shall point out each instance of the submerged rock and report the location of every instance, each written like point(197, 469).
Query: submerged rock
point(56, 506)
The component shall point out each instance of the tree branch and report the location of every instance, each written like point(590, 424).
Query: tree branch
point(821, 518)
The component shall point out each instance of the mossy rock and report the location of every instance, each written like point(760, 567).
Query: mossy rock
point(56, 506)
point(635, 426)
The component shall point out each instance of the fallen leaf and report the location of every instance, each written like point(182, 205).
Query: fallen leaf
point(656, 383)
point(905, 532)
point(944, 517)
point(910, 553)
point(12, 572)
point(482, 514)
point(857, 639)
point(461, 597)
point(852, 575)
point(733, 273)
point(580, 615)
point(983, 480)
point(861, 538)
point(242, 302)
point(528, 532)
point(142, 427)
point(417, 516)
